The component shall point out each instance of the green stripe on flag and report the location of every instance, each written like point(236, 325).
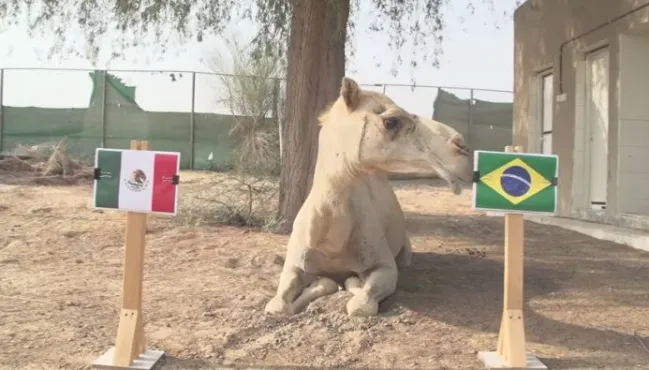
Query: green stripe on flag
point(491, 161)
point(546, 167)
point(107, 194)
point(543, 201)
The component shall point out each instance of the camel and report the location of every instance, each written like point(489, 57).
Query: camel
point(350, 230)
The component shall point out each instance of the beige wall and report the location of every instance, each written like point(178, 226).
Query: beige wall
point(541, 26)
point(634, 125)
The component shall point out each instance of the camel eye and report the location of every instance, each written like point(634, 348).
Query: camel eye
point(391, 123)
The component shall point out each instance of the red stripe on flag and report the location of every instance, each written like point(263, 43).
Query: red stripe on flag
point(164, 191)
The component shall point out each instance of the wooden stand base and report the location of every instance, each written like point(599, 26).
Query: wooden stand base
point(493, 361)
point(145, 361)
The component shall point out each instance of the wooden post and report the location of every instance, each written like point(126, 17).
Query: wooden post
point(511, 352)
point(511, 339)
point(130, 347)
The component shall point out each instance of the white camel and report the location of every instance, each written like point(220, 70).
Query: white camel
point(351, 230)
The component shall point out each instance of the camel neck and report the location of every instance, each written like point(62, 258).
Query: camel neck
point(333, 180)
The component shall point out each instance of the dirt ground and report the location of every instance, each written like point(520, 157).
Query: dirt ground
point(586, 301)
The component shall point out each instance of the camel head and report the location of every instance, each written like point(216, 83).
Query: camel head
point(368, 132)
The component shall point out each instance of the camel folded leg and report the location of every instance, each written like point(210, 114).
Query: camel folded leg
point(376, 285)
point(404, 258)
point(291, 283)
point(321, 287)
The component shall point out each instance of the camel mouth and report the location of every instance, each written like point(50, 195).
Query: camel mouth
point(447, 155)
point(455, 182)
point(464, 179)
point(456, 185)
point(456, 188)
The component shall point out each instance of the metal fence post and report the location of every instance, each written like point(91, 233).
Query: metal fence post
point(470, 125)
point(280, 126)
point(275, 112)
point(102, 122)
point(2, 83)
point(432, 111)
point(192, 123)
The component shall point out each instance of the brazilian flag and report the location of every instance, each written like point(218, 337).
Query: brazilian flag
point(515, 182)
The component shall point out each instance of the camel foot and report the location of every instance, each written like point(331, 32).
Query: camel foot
point(278, 306)
point(362, 305)
point(353, 283)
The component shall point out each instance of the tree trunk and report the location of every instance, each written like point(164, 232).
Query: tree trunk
point(316, 65)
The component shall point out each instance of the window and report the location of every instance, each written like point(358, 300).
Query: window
point(547, 100)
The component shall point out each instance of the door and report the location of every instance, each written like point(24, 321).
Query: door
point(597, 126)
point(546, 113)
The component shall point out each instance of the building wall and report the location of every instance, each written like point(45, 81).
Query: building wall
point(634, 125)
point(541, 26)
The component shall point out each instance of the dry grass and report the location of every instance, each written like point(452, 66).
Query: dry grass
point(230, 199)
point(249, 88)
point(206, 286)
point(43, 165)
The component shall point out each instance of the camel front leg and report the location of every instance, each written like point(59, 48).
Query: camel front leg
point(320, 287)
point(376, 285)
point(292, 281)
point(404, 258)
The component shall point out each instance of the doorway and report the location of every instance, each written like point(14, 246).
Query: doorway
point(547, 115)
point(597, 125)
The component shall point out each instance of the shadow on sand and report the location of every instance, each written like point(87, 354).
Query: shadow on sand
point(174, 363)
point(464, 286)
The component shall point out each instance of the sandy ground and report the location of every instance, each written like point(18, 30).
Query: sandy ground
point(586, 301)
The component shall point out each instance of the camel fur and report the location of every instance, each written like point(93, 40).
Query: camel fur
point(350, 231)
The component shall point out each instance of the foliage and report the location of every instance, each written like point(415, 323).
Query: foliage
point(249, 87)
point(246, 196)
point(239, 200)
point(179, 20)
point(129, 22)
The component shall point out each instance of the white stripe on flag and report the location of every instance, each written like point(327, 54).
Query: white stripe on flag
point(129, 196)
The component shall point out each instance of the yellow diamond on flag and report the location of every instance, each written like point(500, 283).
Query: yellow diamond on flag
point(515, 181)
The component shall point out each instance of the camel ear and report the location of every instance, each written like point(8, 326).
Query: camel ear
point(350, 91)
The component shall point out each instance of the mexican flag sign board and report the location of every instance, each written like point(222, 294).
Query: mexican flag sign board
point(136, 180)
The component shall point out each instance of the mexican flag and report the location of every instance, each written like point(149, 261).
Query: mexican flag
point(136, 180)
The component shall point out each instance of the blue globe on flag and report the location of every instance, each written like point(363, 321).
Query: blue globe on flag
point(516, 181)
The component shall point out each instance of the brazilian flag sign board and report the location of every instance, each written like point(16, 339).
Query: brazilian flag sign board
point(515, 182)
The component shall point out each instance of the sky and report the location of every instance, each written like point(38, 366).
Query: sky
point(477, 53)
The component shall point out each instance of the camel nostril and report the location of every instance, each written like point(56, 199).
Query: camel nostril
point(460, 145)
point(462, 149)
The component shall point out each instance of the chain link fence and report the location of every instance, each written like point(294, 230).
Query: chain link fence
point(186, 111)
